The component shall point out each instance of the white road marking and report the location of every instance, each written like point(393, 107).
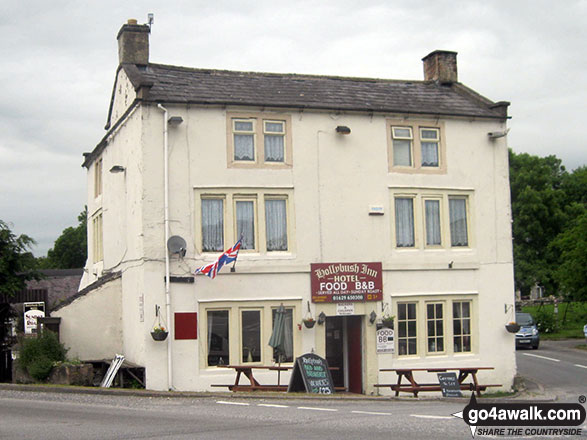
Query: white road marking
point(372, 413)
point(580, 366)
point(542, 357)
point(268, 405)
point(422, 416)
point(316, 409)
point(223, 402)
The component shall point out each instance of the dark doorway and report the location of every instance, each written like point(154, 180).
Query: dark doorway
point(6, 342)
point(344, 351)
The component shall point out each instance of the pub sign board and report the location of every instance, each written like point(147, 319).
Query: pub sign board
point(311, 374)
point(346, 282)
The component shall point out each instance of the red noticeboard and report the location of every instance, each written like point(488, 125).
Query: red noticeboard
point(346, 282)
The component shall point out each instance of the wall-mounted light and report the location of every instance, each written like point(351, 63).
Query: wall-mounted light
point(321, 318)
point(372, 317)
point(175, 120)
point(117, 169)
point(450, 264)
point(343, 129)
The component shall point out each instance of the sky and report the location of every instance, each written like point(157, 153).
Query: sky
point(58, 59)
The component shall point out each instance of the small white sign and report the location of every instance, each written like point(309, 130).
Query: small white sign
point(32, 311)
point(385, 341)
point(344, 309)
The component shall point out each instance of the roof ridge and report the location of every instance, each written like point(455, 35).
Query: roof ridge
point(285, 75)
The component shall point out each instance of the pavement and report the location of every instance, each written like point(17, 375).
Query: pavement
point(526, 390)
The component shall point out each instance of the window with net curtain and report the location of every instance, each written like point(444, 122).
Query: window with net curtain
point(244, 140)
point(458, 221)
point(429, 139)
point(404, 222)
point(432, 212)
point(245, 223)
point(212, 225)
point(274, 140)
point(276, 224)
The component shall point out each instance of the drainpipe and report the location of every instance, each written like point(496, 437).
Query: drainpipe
point(166, 227)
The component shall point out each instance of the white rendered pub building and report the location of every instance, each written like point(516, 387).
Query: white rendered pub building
point(356, 199)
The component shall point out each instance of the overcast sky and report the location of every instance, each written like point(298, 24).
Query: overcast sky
point(58, 59)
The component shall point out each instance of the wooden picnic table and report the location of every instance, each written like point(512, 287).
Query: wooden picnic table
point(247, 371)
point(414, 387)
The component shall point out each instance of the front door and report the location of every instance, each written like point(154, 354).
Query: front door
point(344, 351)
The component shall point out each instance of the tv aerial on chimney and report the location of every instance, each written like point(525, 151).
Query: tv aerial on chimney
point(150, 19)
point(176, 245)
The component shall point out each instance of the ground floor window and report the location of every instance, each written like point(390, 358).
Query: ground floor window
point(218, 341)
point(445, 325)
point(239, 331)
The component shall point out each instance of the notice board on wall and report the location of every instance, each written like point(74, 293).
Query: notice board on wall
point(311, 374)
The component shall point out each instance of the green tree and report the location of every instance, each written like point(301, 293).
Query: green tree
point(539, 215)
point(571, 273)
point(16, 261)
point(70, 250)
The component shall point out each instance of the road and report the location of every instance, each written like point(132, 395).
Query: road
point(49, 416)
point(558, 367)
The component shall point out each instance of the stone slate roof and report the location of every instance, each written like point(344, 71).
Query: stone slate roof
point(172, 84)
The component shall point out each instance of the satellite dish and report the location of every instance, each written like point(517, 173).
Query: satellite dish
point(176, 245)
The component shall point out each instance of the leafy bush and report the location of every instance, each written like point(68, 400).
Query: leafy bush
point(38, 355)
point(545, 321)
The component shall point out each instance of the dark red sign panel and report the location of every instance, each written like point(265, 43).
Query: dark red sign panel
point(346, 282)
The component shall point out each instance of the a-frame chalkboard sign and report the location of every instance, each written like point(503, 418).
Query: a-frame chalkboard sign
point(311, 374)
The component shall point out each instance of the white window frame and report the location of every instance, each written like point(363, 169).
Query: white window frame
point(235, 336)
point(242, 341)
point(435, 320)
point(213, 196)
point(407, 338)
point(436, 140)
point(438, 199)
point(420, 196)
point(258, 195)
point(259, 132)
point(462, 334)
point(97, 237)
point(98, 177)
point(247, 198)
point(416, 127)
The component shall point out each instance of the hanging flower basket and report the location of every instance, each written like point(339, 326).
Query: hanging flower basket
point(159, 334)
point(512, 327)
point(387, 321)
point(309, 323)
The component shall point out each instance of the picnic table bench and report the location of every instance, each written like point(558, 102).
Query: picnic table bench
point(254, 385)
point(414, 387)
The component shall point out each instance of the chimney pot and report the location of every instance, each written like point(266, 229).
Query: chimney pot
point(441, 66)
point(133, 43)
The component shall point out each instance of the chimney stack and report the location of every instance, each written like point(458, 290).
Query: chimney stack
point(441, 66)
point(133, 43)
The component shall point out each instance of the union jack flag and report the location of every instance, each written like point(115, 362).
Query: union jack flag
point(227, 257)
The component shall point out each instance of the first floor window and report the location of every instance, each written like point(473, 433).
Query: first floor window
point(432, 212)
point(218, 347)
point(251, 336)
point(276, 224)
point(458, 221)
point(461, 311)
point(212, 224)
point(98, 241)
point(404, 222)
point(402, 146)
point(435, 327)
point(245, 223)
point(287, 353)
point(407, 329)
